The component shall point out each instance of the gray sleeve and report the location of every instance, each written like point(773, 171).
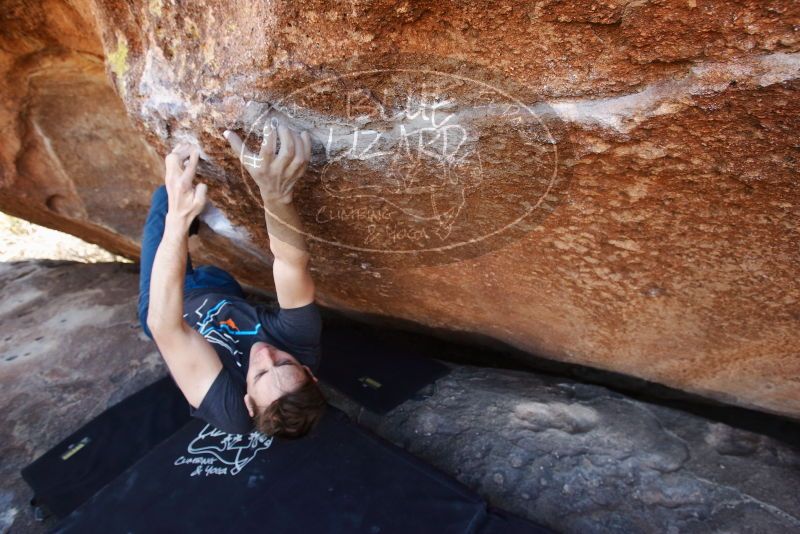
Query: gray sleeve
point(298, 331)
point(223, 406)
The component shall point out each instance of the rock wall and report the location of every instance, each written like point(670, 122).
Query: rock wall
point(610, 183)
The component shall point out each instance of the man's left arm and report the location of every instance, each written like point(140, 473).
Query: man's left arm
point(276, 175)
point(294, 285)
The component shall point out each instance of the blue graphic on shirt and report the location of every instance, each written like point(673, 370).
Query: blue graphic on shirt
point(222, 333)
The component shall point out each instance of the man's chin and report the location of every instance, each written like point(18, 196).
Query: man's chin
point(258, 345)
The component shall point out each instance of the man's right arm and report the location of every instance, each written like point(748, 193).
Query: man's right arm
point(276, 176)
point(191, 360)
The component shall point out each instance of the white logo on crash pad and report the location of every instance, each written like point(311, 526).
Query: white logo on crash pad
point(214, 452)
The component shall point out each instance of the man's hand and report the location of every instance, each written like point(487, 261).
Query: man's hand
point(275, 174)
point(185, 200)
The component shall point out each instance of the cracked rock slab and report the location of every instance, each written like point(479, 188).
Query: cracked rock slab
point(581, 458)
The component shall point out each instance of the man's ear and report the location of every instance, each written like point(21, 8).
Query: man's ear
point(251, 405)
point(311, 374)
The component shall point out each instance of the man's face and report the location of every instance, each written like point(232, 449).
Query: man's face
point(272, 374)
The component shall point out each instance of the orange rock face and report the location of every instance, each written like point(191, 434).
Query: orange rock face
point(609, 183)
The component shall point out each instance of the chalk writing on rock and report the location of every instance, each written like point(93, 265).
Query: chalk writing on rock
point(412, 166)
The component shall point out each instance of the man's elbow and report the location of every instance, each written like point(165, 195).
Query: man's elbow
point(159, 328)
point(156, 329)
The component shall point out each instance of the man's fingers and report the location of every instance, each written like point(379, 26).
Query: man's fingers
point(182, 150)
point(173, 162)
point(234, 141)
point(297, 166)
point(191, 167)
point(269, 144)
point(178, 155)
point(175, 159)
point(200, 196)
point(286, 152)
point(238, 147)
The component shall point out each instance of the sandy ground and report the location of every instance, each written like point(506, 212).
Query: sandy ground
point(22, 240)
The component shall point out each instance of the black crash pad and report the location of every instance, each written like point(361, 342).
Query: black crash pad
point(341, 478)
point(376, 367)
point(75, 469)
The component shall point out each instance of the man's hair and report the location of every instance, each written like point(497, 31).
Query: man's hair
point(294, 414)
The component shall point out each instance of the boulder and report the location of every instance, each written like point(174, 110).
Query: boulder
point(609, 183)
point(581, 458)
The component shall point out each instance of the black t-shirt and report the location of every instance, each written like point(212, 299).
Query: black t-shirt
point(232, 325)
